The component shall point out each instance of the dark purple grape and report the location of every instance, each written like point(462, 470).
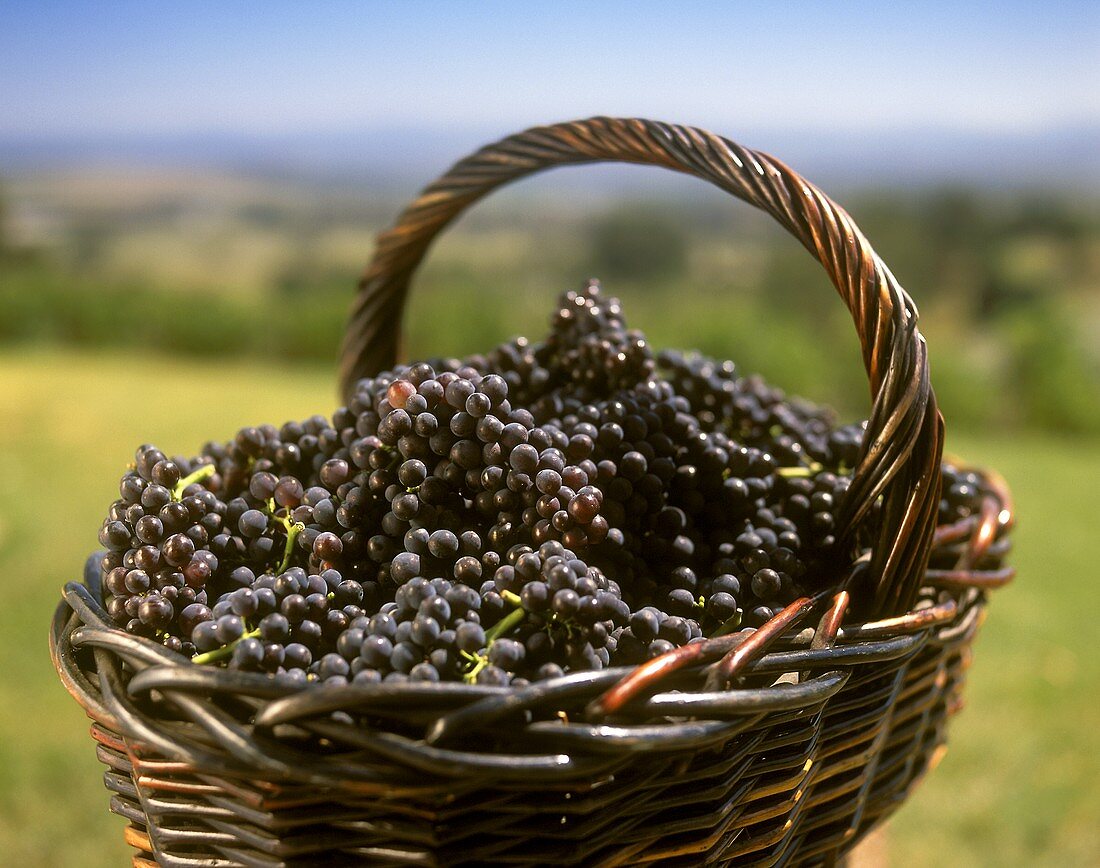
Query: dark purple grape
point(252, 523)
point(248, 655)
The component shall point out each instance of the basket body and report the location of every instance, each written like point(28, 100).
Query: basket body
point(797, 786)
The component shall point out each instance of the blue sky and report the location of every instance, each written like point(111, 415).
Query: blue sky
point(163, 69)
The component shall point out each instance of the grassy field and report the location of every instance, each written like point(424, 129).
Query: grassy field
point(1018, 786)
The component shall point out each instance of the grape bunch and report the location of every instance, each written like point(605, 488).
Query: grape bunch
point(545, 507)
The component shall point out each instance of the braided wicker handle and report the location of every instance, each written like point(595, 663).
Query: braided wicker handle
point(900, 459)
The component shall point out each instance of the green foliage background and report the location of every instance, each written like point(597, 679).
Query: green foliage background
point(1006, 283)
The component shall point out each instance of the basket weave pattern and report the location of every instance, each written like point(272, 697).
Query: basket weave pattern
point(781, 746)
point(803, 781)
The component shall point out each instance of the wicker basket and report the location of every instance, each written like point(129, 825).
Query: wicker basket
point(780, 746)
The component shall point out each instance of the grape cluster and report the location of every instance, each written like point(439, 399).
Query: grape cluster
point(963, 491)
point(552, 506)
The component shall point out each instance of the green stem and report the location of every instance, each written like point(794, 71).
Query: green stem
point(204, 472)
point(811, 469)
point(510, 621)
point(293, 528)
point(225, 651)
point(480, 662)
point(728, 626)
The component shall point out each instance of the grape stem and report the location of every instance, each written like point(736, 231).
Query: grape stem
point(204, 472)
point(512, 619)
point(225, 650)
point(293, 528)
point(811, 469)
point(728, 626)
point(509, 622)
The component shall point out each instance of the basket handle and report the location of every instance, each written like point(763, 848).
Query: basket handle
point(900, 458)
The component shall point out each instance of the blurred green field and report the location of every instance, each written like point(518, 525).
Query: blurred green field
point(180, 264)
point(1018, 785)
